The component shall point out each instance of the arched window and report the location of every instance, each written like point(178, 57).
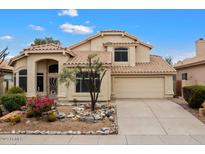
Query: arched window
point(23, 79)
point(53, 68)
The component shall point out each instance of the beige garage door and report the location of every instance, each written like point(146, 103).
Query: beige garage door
point(138, 87)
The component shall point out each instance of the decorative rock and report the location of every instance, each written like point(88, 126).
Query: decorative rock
point(27, 122)
point(61, 115)
point(23, 108)
point(13, 131)
point(87, 119)
point(108, 113)
point(7, 117)
point(78, 132)
point(71, 115)
point(97, 117)
point(105, 129)
point(37, 132)
point(111, 118)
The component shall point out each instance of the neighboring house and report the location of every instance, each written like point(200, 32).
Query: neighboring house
point(131, 71)
point(6, 77)
point(191, 71)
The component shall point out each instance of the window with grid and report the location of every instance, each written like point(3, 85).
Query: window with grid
point(82, 82)
point(121, 54)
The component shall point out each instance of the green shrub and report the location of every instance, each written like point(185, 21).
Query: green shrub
point(13, 102)
point(52, 117)
point(15, 90)
point(194, 95)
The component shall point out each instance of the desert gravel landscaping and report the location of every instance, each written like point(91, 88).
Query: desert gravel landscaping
point(72, 119)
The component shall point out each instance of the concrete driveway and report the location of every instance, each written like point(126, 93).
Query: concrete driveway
point(156, 117)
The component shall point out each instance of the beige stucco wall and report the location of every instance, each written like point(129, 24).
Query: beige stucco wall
point(34, 66)
point(142, 54)
point(96, 44)
point(139, 54)
point(195, 75)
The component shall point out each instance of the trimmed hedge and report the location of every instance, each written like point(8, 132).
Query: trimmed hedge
point(194, 95)
point(13, 102)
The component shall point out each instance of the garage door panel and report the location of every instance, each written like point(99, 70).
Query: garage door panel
point(138, 87)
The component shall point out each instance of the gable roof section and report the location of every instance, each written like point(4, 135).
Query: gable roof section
point(5, 67)
point(101, 33)
point(156, 66)
point(39, 49)
point(81, 58)
point(190, 62)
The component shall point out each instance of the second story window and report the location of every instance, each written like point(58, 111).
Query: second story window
point(184, 76)
point(121, 54)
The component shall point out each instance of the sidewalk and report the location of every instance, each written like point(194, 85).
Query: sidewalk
point(102, 140)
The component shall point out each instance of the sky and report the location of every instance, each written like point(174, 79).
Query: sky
point(171, 32)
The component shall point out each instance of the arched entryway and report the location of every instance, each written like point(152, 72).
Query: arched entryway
point(47, 77)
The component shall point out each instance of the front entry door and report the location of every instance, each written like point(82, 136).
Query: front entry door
point(53, 84)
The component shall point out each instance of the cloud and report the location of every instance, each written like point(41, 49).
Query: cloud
point(36, 27)
point(6, 37)
point(76, 29)
point(87, 22)
point(9, 57)
point(182, 55)
point(71, 13)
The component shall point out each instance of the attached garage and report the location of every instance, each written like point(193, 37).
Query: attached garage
point(138, 87)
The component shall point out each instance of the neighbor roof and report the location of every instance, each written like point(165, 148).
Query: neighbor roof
point(81, 58)
point(101, 33)
point(195, 61)
point(45, 48)
point(156, 66)
point(5, 67)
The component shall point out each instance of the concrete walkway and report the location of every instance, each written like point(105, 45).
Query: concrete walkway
point(146, 121)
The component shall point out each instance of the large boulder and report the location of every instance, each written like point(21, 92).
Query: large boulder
point(9, 116)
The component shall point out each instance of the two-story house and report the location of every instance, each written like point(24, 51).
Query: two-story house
point(131, 71)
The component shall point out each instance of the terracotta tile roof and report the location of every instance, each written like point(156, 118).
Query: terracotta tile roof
point(156, 66)
point(50, 46)
point(40, 49)
point(81, 57)
point(109, 31)
point(4, 66)
point(190, 62)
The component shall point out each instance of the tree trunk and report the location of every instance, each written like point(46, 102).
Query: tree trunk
point(93, 105)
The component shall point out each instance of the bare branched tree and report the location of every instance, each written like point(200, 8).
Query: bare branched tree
point(3, 54)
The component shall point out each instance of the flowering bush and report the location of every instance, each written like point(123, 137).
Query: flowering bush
point(38, 105)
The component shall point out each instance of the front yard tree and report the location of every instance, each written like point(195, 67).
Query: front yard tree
point(3, 54)
point(93, 72)
point(169, 60)
point(46, 40)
